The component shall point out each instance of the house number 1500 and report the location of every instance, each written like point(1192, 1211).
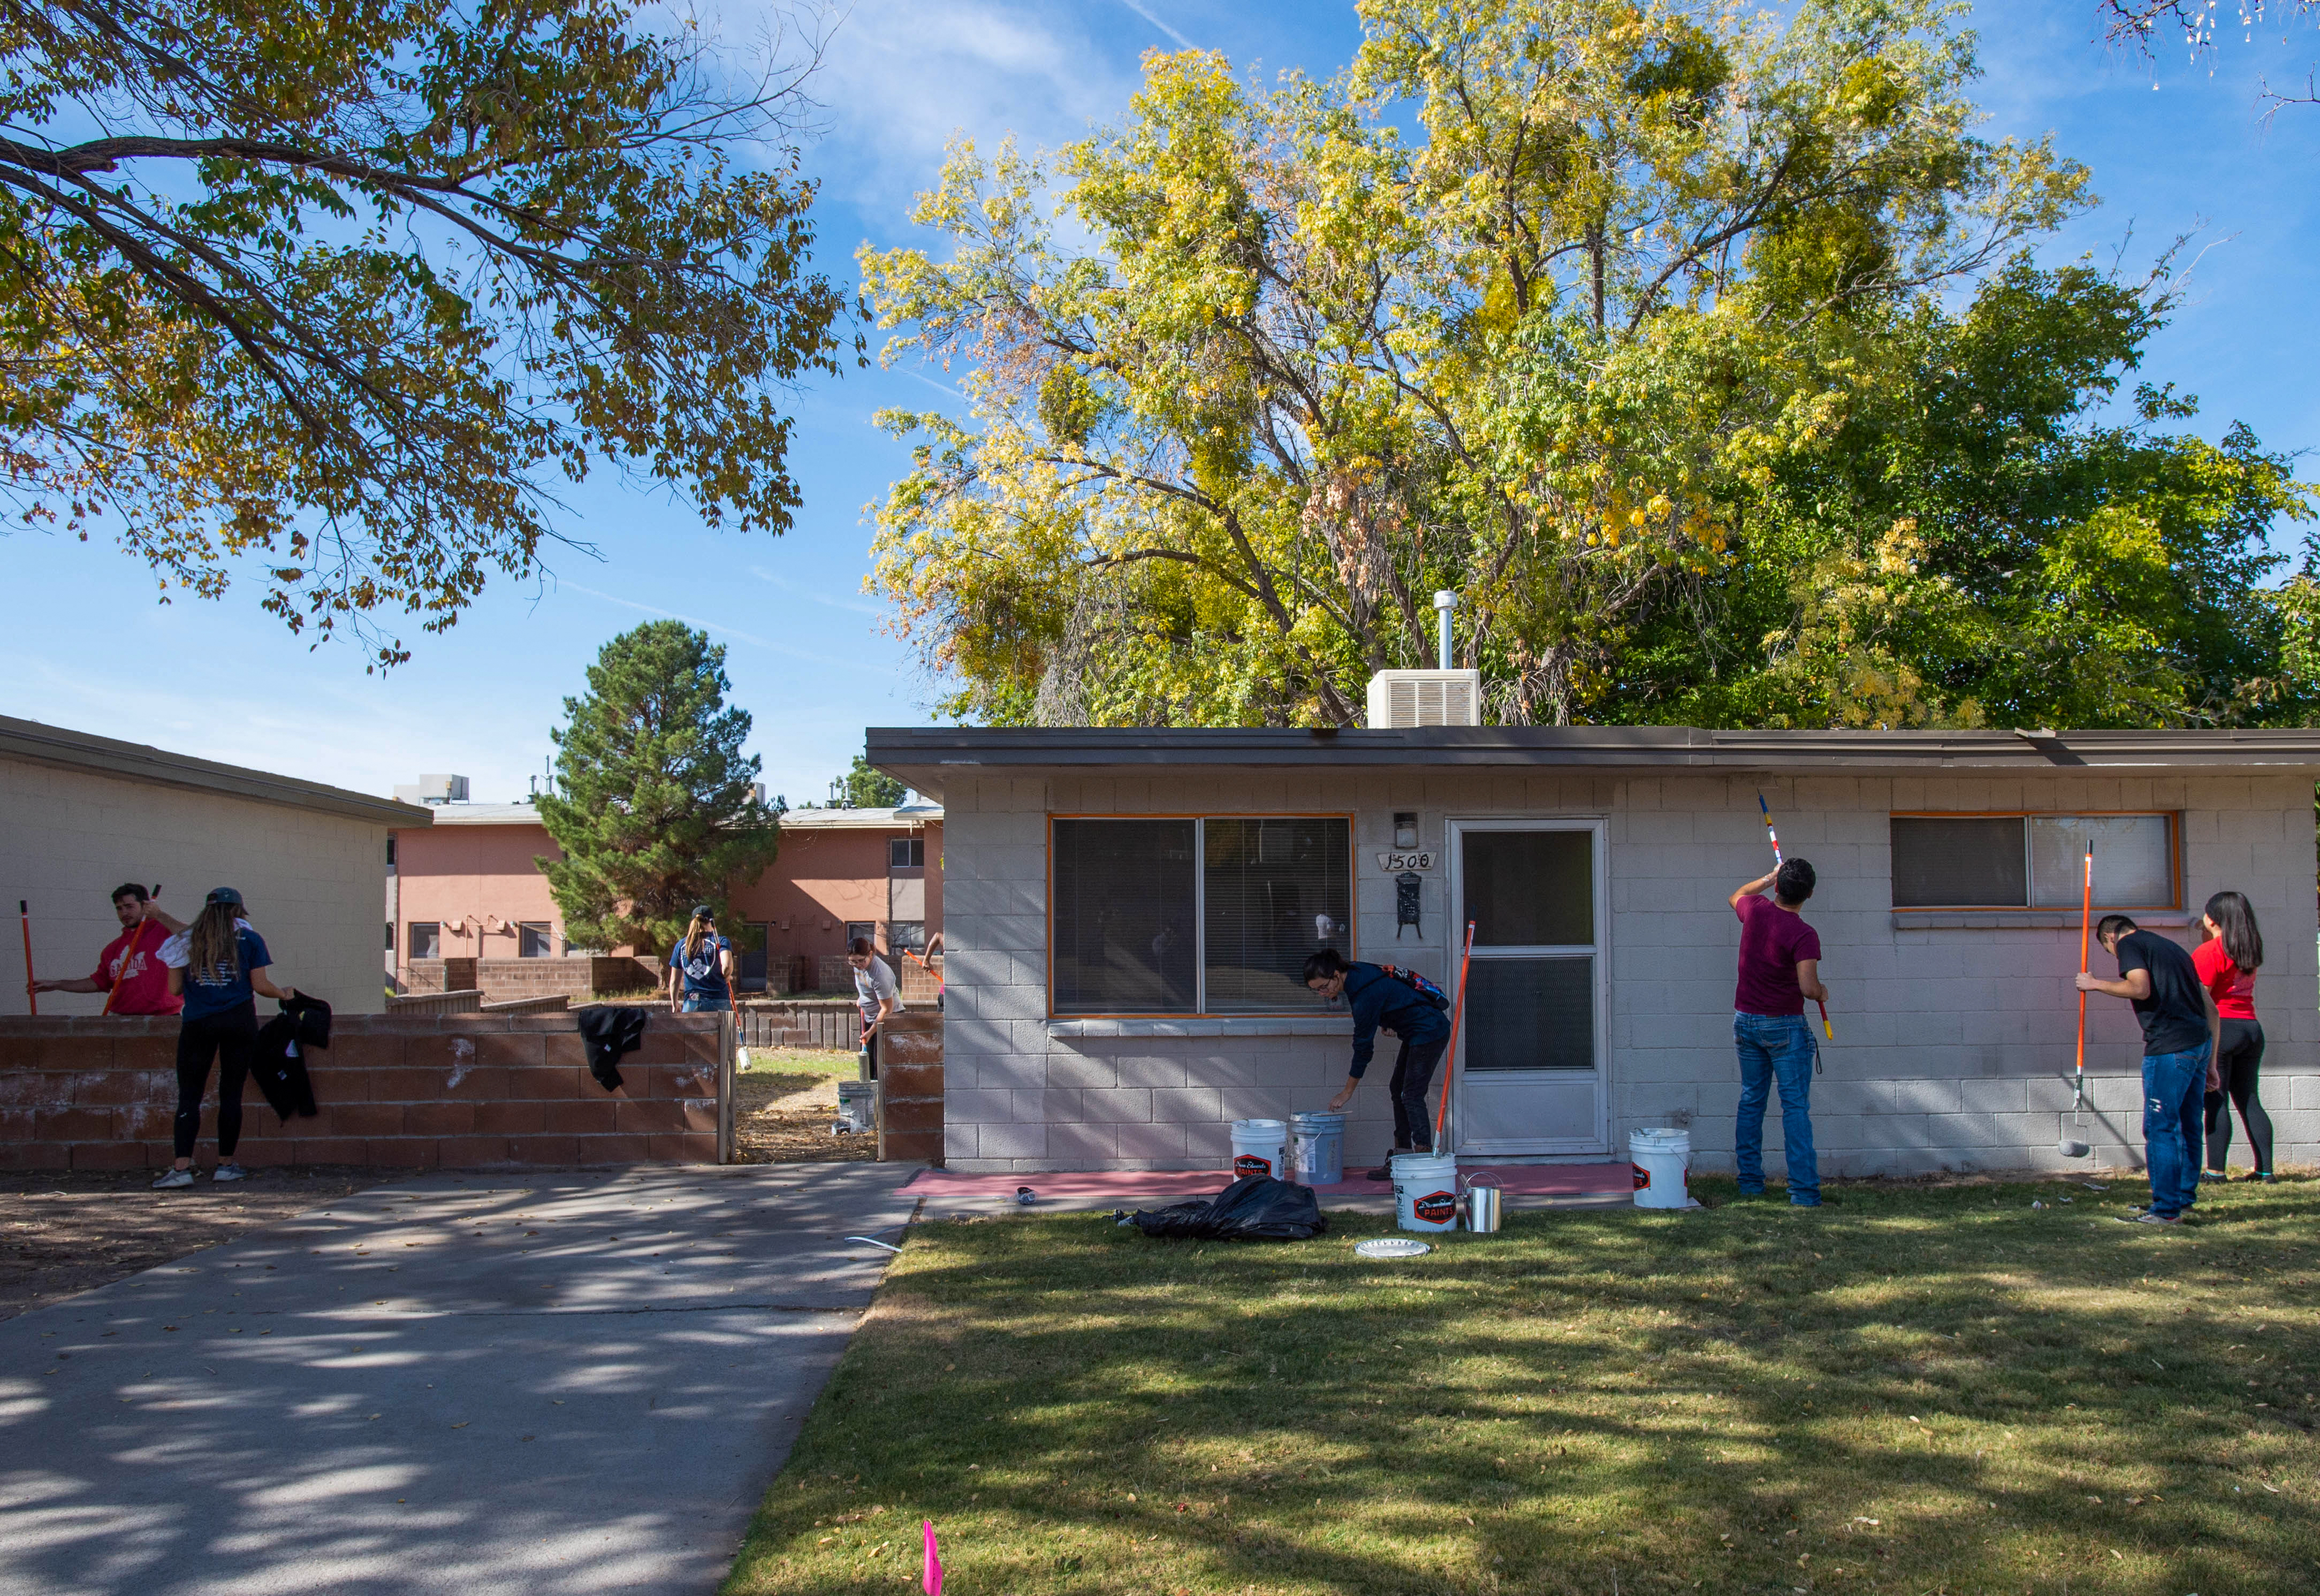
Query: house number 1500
point(1393, 862)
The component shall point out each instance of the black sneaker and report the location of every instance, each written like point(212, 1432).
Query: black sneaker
point(1383, 1172)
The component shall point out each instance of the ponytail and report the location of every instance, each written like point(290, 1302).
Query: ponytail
point(2235, 928)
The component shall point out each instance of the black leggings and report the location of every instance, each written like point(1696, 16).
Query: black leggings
point(2241, 1051)
point(233, 1038)
point(1413, 1072)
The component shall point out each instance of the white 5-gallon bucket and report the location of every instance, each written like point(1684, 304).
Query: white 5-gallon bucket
point(1260, 1146)
point(1424, 1191)
point(1660, 1159)
point(1317, 1148)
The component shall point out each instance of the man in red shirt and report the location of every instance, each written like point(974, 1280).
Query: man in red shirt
point(130, 971)
point(1779, 968)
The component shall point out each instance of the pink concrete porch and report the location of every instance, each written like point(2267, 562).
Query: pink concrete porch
point(1064, 1186)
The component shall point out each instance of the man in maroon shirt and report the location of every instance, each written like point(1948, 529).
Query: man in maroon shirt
point(130, 971)
point(1779, 968)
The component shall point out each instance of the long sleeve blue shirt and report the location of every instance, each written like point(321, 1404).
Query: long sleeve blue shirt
point(1377, 999)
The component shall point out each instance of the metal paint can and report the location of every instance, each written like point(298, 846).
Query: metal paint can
point(1484, 1209)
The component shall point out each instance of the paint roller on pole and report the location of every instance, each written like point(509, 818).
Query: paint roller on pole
point(1766, 809)
point(2074, 1147)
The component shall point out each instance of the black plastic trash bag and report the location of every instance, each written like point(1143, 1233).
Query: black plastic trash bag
point(1253, 1208)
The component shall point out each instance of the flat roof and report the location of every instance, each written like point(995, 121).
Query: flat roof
point(895, 819)
point(924, 756)
point(483, 813)
point(905, 815)
point(29, 741)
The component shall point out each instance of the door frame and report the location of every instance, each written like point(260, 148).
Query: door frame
point(1599, 827)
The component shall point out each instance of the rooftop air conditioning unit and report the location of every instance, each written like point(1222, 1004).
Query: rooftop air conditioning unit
point(1425, 698)
point(434, 789)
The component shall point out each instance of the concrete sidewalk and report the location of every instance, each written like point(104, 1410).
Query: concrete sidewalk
point(515, 1387)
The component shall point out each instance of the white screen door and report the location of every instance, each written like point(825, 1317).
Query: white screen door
point(1530, 1067)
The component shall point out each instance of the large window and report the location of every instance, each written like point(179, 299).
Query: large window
point(2032, 861)
point(534, 939)
point(906, 853)
point(1201, 915)
point(426, 939)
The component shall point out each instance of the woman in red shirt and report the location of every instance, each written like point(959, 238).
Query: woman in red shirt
point(2227, 962)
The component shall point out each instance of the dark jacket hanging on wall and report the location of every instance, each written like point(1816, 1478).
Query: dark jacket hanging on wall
point(279, 1066)
point(609, 1031)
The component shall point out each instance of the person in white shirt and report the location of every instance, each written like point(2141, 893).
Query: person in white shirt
point(875, 993)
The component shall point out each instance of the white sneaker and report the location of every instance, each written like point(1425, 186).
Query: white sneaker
point(174, 1178)
point(229, 1172)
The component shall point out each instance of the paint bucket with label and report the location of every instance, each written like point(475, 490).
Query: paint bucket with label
point(1260, 1146)
point(1424, 1191)
point(857, 1104)
point(1317, 1148)
point(1660, 1159)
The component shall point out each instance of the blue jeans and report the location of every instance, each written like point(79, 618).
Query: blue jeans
point(1778, 1047)
point(707, 1006)
point(2174, 1114)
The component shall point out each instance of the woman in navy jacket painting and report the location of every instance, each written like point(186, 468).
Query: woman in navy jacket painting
point(1388, 1000)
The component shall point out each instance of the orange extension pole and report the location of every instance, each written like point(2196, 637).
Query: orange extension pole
point(1450, 1058)
point(121, 971)
point(32, 998)
point(2085, 942)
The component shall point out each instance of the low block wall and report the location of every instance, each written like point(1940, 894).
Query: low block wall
point(911, 1091)
point(395, 1091)
point(502, 980)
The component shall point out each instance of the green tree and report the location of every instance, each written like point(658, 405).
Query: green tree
point(1302, 372)
point(1973, 543)
point(341, 293)
point(654, 805)
point(866, 788)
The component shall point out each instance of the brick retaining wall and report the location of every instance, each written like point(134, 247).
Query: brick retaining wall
point(399, 1091)
point(502, 979)
point(911, 1091)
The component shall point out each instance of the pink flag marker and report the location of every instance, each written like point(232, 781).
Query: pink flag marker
point(933, 1580)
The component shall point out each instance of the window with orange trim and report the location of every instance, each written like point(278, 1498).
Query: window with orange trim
point(2033, 861)
point(1186, 915)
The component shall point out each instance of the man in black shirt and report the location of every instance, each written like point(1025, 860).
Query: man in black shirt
point(2179, 1032)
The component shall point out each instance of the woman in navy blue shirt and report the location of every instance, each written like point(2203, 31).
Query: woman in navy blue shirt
point(701, 968)
point(218, 965)
point(1380, 1001)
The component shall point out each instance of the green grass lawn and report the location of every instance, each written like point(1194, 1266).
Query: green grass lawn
point(1918, 1389)
point(816, 1063)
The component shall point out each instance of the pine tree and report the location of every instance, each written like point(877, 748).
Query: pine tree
point(654, 807)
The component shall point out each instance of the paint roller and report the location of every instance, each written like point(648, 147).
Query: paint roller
point(2073, 1146)
point(1766, 809)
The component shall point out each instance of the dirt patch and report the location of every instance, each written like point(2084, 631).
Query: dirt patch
point(61, 1234)
point(783, 1116)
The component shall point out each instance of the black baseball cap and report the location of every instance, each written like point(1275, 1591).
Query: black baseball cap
point(224, 894)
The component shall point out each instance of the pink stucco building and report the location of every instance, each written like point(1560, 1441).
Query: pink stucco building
point(467, 887)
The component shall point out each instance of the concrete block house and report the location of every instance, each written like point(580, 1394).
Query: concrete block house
point(1127, 911)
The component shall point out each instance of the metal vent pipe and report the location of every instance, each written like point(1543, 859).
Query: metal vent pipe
point(1443, 603)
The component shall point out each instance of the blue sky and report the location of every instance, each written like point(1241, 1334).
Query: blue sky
point(89, 648)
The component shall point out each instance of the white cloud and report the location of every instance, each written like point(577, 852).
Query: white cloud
point(901, 77)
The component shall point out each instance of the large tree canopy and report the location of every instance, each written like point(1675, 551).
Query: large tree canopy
point(1698, 353)
point(344, 290)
